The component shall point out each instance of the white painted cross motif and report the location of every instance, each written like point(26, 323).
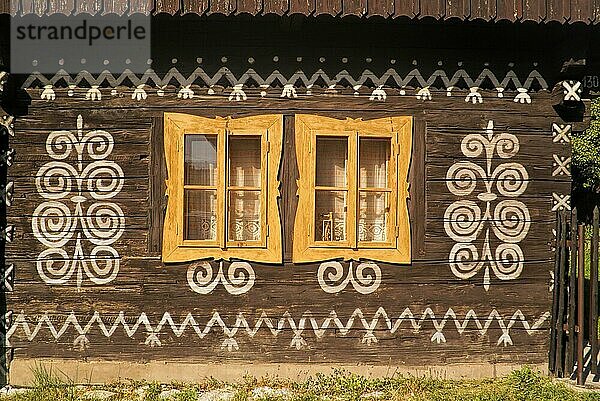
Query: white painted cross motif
point(560, 202)
point(572, 90)
point(562, 165)
point(78, 208)
point(7, 233)
point(561, 133)
point(8, 122)
point(504, 222)
point(8, 279)
point(6, 158)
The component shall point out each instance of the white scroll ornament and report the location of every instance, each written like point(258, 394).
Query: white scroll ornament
point(488, 208)
point(78, 208)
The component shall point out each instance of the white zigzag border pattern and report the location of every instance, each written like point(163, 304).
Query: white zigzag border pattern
point(298, 77)
point(275, 326)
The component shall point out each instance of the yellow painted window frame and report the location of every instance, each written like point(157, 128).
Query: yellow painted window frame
point(398, 249)
point(269, 248)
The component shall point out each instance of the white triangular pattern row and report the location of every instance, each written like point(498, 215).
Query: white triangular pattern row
point(275, 326)
point(199, 76)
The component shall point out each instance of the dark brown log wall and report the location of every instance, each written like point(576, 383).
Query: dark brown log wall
point(286, 316)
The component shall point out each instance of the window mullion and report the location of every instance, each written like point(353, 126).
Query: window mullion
point(393, 231)
point(352, 215)
point(222, 192)
point(179, 172)
point(264, 170)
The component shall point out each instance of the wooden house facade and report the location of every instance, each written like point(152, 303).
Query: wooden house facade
point(375, 186)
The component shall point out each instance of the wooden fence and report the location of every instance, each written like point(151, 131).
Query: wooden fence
point(574, 330)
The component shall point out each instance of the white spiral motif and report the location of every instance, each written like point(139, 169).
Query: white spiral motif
point(330, 273)
point(511, 221)
point(55, 180)
point(511, 179)
point(365, 278)
point(104, 179)
point(104, 265)
point(462, 221)
point(55, 224)
point(200, 278)
point(59, 144)
point(507, 145)
point(464, 260)
point(99, 144)
point(462, 178)
point(104, 223)
point(239, 280)
point(366, 283)
point(52, 224)
point(47, 269)
point(509, 261)
point(473, 145)
point(506, 219)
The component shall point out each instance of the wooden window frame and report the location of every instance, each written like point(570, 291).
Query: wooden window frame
point(398, 248)
point(175, 247)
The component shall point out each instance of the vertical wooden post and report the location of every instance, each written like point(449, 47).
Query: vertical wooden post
point(580, 301)
point(556, 326)
point(594, 292)
point(572, 300)
point(561, 289)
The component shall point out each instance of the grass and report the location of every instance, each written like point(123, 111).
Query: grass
point(521, 385)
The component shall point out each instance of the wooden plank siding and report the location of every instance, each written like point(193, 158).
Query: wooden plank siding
point(427, 287)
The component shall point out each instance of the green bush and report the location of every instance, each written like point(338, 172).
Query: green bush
point(585, 165)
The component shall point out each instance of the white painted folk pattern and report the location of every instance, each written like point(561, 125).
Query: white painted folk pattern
point(508, 220)
point(102, 222)
point(561, 202)
point(572, 90)
point(239, 279)
point(8, 122)
point(3, 79)
point(562, 165)
point(8, 279)
point(561, 133)
point(30, 326)
point(331, 277)
point(308, 79)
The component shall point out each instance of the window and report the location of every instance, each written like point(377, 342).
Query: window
point(222, 188)
point(353, 189)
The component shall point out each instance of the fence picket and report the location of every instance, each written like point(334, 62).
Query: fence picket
point(594, 293)
point(570, 354)
point(562, 293)
point(556, 326)
point(580, 301)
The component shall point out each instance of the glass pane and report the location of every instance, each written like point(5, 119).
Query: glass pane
point(372, 216)
point(330, 216)
point(200, 158)
point(244, 216)
point(244, 161)
point(374, 158)
point(200, 214)
point(332, 161)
